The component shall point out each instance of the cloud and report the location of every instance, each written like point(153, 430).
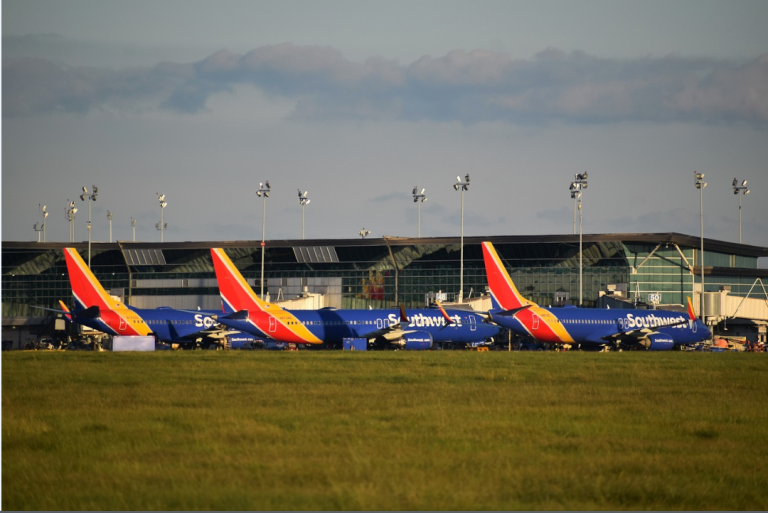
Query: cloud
point(33, 85)
point(391, 197)
point(466, 87)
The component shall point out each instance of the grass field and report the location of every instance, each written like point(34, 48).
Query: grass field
point(448, 430)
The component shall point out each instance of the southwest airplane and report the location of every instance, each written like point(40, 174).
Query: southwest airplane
point(329, 325)
point(655, 330)
point(95, 308)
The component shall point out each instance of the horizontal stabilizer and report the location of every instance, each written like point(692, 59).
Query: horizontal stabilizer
point(513, 312)
point(241, 315)
point(92, 312)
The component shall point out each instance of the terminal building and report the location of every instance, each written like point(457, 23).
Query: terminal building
point(615, 270)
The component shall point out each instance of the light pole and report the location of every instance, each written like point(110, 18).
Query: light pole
point(416, 198)
point(70, 214)
point(263, 193)
point(133, 225)
point(44, 211)
point(161, 225)
point(91, 197)
point(363, 233)
point(736, 190)
point(38, 229)
point(576, 197)
point(109, 216)
point(462, 186)
point(303, 201)
point(700, 185)
point(579, 183)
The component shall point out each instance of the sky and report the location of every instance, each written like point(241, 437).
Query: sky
point(357, 102)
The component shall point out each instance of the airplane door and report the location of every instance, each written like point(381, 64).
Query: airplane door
point(122, 324)
point(378, 324)
point(535, 323)
point(620, 323)
point(694, 326)
point(472, 325)
point(272, 324)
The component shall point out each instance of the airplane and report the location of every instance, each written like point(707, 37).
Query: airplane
point(654, 330)
point(406, 329)
point(96, 309)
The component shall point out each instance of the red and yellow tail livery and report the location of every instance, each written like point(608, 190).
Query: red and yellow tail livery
point(268, 318)
point(655, 330)
point(539, 321)
point(110, 314)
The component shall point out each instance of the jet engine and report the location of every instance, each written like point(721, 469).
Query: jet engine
point(657, 342)
point(416, 341)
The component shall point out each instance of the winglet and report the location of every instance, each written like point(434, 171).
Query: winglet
point(64, 307)
point(445, 314)
point(403, 317)
point(691, 313)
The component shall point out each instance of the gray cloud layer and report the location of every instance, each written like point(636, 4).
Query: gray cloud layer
point(467, 87)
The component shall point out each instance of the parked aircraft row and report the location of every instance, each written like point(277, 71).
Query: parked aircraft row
point(244, 312)
point(96, 309)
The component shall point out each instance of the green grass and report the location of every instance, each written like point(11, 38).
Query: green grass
point(386, 430)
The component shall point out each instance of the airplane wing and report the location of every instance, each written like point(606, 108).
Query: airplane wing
point(51, 309)
point(640, 333)
point(217, 332)
point(632, 336)
point(92, 312)
point(393, 331)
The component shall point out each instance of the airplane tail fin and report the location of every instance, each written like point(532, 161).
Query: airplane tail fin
point(86, 288)
point(504, 294)
point(235, 292)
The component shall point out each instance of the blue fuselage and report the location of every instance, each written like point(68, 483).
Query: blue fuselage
point(167, 324)
point(171, 325)
point(332, 326)
point(601, 326)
